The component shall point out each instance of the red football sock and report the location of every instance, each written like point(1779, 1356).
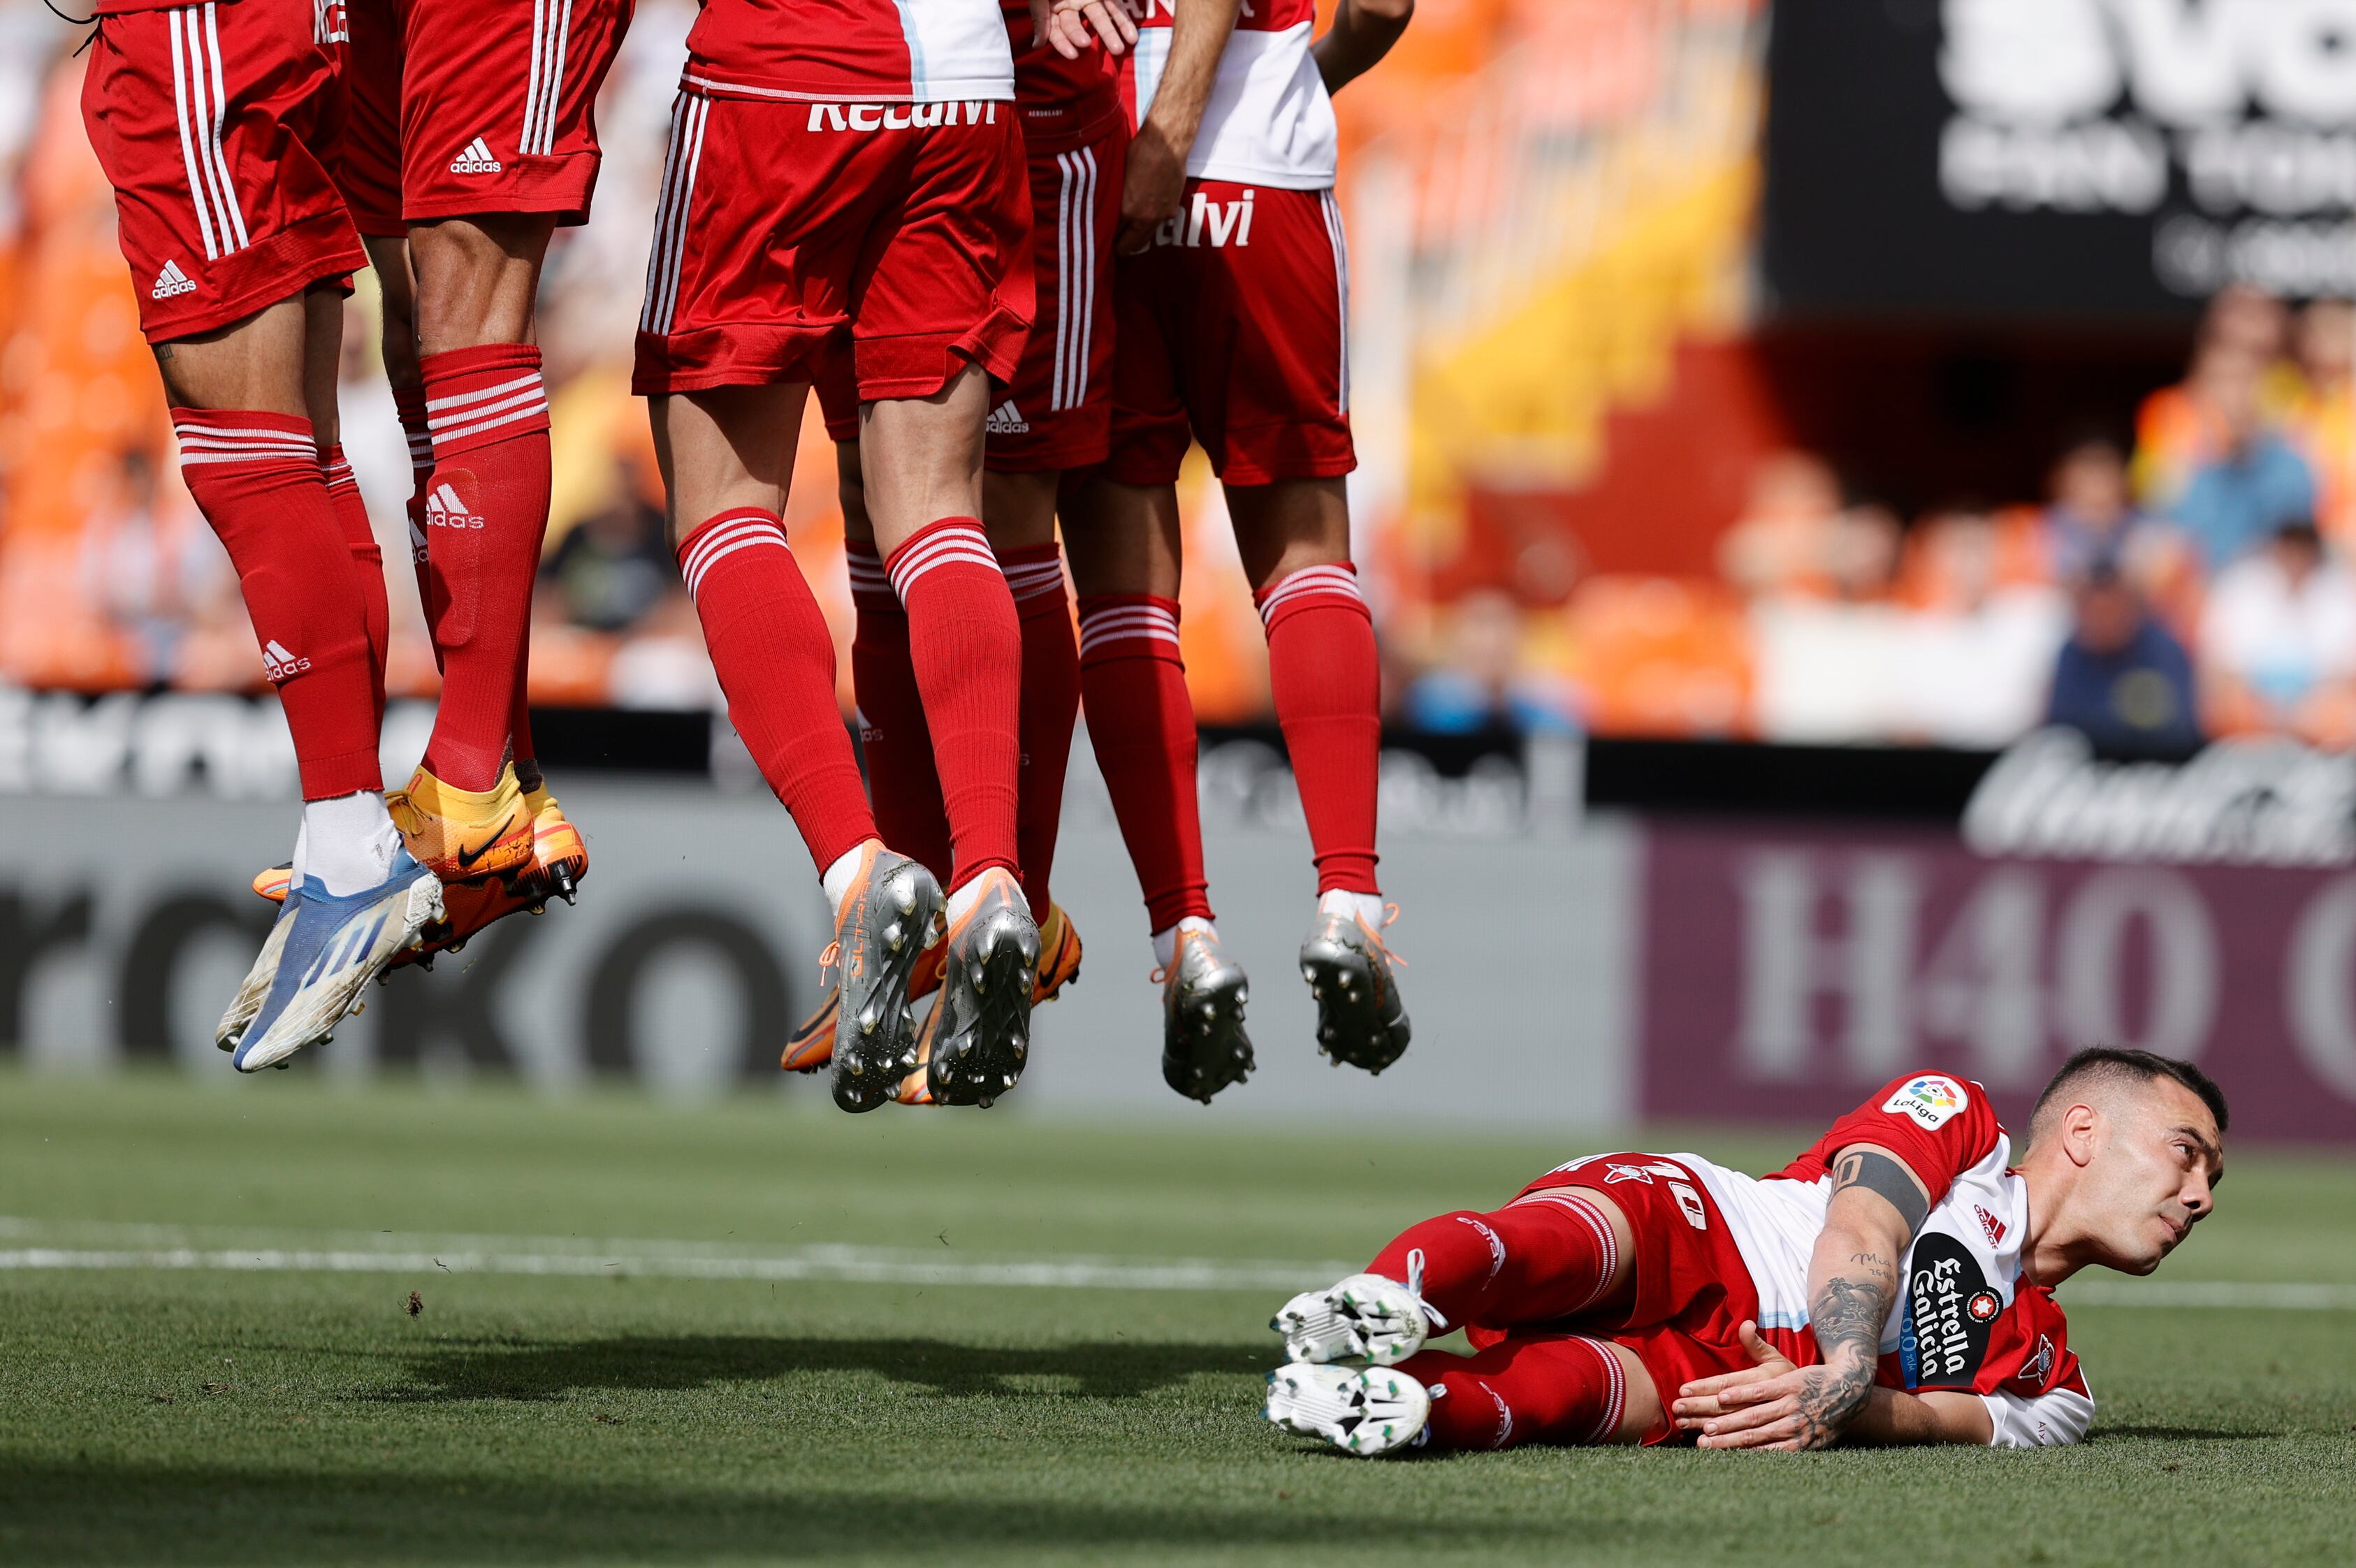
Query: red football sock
point(1141, 725)
point(256, 478)
point(901, 778)
point(775, 658)
point(1322, 670)
point(965, 648)
point(1558, 1389)
point(1051, 702)
point(1544, 1256)
point(484, 517)
point(351, 514)
point(409, 403)
point(527, 759)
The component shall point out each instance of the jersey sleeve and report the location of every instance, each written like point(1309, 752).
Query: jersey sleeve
point(1940, 1125)
point(2058, 1416)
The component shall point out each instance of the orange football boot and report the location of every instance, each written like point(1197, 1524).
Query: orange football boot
point(462, 835)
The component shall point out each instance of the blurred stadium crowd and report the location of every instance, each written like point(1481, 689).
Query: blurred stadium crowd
point(2186, 574)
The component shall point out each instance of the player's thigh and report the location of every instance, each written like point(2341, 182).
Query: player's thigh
point(255, 364)
point(208, 122)
point(1121, 538)
point(921, 456)
point(1280, 383)
point(725, 447)
point(496, 99)
point(477, 279)
point(1018, 511)
point(1288, 524)
point(1152, 330)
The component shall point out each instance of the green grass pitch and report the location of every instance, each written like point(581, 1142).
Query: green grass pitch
point(208, 1415)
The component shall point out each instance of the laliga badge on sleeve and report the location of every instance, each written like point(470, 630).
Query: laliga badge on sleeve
point(1928, 1099)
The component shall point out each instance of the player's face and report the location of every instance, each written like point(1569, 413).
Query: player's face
point(2157, 1173)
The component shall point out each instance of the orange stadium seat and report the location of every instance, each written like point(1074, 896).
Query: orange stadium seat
point(1661, 656)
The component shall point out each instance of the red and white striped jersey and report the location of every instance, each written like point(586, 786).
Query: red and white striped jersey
point(1966, 1318)
point(852, 51)
point(1270, 121)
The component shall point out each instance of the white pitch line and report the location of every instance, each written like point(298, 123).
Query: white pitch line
point(177, 1248)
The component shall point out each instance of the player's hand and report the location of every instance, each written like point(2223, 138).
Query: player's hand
point(1151, 191)
point(1795, 1408)
point(1698, 1402)
point(1065, 24)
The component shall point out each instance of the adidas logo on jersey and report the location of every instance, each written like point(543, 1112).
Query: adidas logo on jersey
point(1006, 420)
point(279, 664)
point(444, 509)
point(1218, 223)
point(478, 158)
point(172, 282)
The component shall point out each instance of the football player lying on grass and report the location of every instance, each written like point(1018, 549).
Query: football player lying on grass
point(1892, 1285)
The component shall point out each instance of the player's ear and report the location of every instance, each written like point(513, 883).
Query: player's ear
point(2082, 1133)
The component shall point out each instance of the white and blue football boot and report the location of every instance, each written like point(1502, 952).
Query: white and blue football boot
point(329, 949)
point(1365, 1410)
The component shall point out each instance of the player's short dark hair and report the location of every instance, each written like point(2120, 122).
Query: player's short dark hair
point(2110, 1062)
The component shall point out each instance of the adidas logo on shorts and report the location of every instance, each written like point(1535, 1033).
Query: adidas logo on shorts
point(171, 282)
point(444, 509)
point(477, 159)
point(1005, 420)
point(278, 664)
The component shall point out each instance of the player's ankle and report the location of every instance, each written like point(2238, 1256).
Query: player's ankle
point(1165, 940)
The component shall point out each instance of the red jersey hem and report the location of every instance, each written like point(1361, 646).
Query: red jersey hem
point(565, 190)
point(727, 356)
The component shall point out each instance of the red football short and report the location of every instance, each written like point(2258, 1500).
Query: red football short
point(1693, 1289)
point(368, 160)
point(1233, 325)
point(497, 101)
point(780, 224)
point(1057, 412)
point(214, 123)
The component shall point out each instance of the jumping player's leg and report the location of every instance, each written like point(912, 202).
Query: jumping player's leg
point(1018, 513)
point(726, 462)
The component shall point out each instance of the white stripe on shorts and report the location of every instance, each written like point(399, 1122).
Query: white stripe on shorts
point(1341, 283)
point(680, 162)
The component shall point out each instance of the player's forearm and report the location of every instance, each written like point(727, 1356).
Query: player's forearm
point(1199, 30)
point(1892, 1418)
point(1852, 1281)
point(1362, 33)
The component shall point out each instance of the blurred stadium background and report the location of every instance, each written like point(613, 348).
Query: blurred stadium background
point(1858, 502)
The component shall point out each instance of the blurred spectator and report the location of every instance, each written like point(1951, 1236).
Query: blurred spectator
point(2122, 680)
point(664, 664)
point(151, 568)
point(1972, 664)
point(1784, 543)
point(2090, 515)
point(2322, 422)
point(2254, 482)
point(2177, 428)
point(1479, 681)
point(2278, 642)
point(612, 567)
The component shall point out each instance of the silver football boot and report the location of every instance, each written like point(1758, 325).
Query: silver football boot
point(1360, 1019)
point(890, 915)
point(984, 1035)
point(1204, 1046)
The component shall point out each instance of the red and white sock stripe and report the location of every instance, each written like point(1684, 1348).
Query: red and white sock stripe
point(954, 540)
point(1309, 586)
point(462, 416)
point(209, 437)
point(1028, 580)
point(746, 529)
point(1128, 623)
point(871, 585)
point(1583, 1209)
point(336, 469)
point(1615, 1397)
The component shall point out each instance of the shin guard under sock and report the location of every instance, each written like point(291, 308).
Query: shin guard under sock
point(1558, 1389)
point(256, 478)
point(1547, 1255)
point(368, 559)
point(901, 780)
point(486, 514)
point(775, 658)
point(966, 646)
point(1051, 704)
point(1324, 673)
point(1141, 726)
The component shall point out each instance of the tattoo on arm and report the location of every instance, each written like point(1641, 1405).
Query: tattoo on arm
point(1878, 1172)
point(1847, 1315)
